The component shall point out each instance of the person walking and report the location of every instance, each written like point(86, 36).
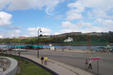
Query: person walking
point(45, 60)
point(42, 60)
point(90, 65)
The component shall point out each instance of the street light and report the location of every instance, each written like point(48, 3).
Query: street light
point(38, 33)
point(89, 42)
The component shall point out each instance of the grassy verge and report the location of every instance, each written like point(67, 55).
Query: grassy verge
point(27, 67)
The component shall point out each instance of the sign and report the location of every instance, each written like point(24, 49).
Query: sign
point(95, 58)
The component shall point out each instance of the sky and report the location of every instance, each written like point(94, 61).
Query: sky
point(25, 17)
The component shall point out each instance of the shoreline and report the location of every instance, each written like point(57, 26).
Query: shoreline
point(62, 45)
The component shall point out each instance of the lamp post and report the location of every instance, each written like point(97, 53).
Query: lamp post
point(89, 42)
point(38, 33)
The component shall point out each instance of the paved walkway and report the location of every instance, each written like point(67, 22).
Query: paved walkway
point(59, 68)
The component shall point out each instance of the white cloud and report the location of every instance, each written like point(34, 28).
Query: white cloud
point(76, 7)
point(97, 13)
point(64, 31)
point(1, 36)
point(9, 30)
point(28, 4)
point(73, 16)
point(13, 33)
point(17, 31)
point(99, 8)
point(106, 25)
point(33, 31)
point(68, 24)
point(98, 4)
point(94, 12)
point(75, 11)
point(104, 22)
point(78, 27)
point(5, 18)
point(3, 3)
point(10, 33)
point(103, 26)
point(46, 31)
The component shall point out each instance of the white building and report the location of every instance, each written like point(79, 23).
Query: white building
point(68, 40)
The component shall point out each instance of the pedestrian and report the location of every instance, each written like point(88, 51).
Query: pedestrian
point(90, 65)
point(45, 60)
point(42, 60)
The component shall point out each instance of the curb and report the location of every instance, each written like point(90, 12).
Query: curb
point(73, 70)
point(47, 69)
point(52, 72)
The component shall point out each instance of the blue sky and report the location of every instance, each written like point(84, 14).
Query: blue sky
point(24, 17)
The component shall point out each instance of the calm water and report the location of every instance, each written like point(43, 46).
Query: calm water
point(75, 47)
point(68, 47)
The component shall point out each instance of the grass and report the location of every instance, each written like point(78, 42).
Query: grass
point(27, 67)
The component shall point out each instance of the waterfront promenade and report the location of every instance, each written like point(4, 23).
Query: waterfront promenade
point(77, 59)
point(58, 67)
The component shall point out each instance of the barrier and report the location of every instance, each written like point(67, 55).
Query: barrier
point(12, 66)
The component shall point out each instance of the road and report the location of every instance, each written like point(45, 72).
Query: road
point(78, 60)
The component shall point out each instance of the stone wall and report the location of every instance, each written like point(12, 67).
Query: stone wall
point(10, 66)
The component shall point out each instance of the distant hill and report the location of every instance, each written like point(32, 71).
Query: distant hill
point(68, 34)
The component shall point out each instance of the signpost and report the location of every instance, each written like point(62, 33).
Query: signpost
point(96, 59)
point(39, 30)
